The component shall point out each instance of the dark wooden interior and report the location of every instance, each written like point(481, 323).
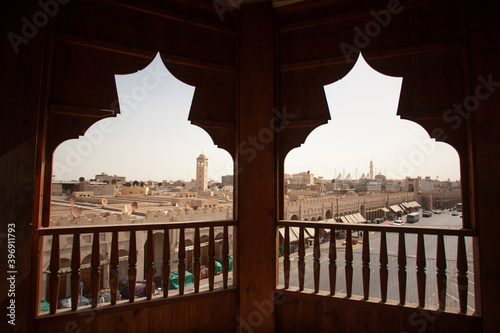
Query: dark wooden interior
point(246, 63)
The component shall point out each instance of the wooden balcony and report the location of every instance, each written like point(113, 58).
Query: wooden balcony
point(319, 310)
point(197, 301)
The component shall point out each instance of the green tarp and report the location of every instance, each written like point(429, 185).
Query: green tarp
point(218, 267)
point(44, 306)
point(173, 282)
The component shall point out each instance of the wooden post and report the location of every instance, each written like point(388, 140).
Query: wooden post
point(55, 264)
point(286, 258)
point(402, 268)
point(421, 276)
point(348, 263)
point(462, 280)
point(332, 266)
point(211, 259)
point(75, 271)
point(384, 272)
point(95, 263)
point(166, 261)
point(149, 264)
point(366, 264)
point(301, 262)
point(113, 271)
point(441, 272)
point(256, 163)
point(182, 260)
point(132, 269)
point(317, 256)
point(225, 257)
point(196, 260)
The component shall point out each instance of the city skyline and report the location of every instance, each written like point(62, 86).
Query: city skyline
point(152, 140)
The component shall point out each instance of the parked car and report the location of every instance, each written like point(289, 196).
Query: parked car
point(427, 214)
point(437, 211)
point(454, 214)
point(398, 222)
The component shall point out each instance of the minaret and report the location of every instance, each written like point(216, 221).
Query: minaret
point(201, 173)
point(371, 170)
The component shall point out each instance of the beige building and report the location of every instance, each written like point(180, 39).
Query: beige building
point(303, 178)
point(134, 191)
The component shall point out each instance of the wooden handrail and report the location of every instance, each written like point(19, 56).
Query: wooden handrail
point(132, 227)
point(380, 228)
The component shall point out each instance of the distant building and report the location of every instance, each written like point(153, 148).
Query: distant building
point(427, 184)
point(227, 180)
point(413, 184)
point(201, 173)
point(303, 178)
point(135, 191)
point(105, 177)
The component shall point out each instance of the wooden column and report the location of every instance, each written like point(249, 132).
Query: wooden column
point(255, 169)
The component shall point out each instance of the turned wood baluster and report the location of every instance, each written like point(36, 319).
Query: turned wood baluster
point(166, 261)
point(132, 269)
point(332, 255)
point(75, 271)
point(225, 256)
point(301, 263)
point(196, 260)
point(211, 259)
point(441, 272)
point(402, 268)
point(348, 263)
point(316, 257)
point(149, 264)
point(463, 282)
point(384, 261)
point(113, 269)
point(366, 264)
point(55, 264)
point(286, 257)
point(182, 260)
point(421, 276)
point(95, 262)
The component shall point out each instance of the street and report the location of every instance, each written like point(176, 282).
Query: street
point(445, 220)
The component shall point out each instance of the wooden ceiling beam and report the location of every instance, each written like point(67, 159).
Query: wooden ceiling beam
point(141, 53)
point(375, 55)
point(166, 14)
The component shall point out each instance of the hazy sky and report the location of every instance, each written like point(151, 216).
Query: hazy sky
point(152, 139)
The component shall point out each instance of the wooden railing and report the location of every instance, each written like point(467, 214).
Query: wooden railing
point(421, 260)
point(132, 229)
